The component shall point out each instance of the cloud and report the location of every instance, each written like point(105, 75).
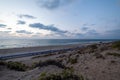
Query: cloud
point(113, 33)
point(5, 34)
point(49, 27)
point(53, 4)
point(5, 31)
point(92, 32)
point(3, 25)
point(2, 21)
point(26, 16)
point(9, 28)
point(86, 24)
point(24, 31)
point(21, 22)
point(84, 28)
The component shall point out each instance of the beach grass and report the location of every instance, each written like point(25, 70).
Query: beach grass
point(114, 54)
point(116, 45)
point(49, 62)
point(66, 74)
point(18, 66)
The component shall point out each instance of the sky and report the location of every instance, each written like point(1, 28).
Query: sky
point(60, 19)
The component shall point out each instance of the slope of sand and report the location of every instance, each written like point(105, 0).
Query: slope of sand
point(93, 63)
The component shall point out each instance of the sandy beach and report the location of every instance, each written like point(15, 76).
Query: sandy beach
point(22, 50)
point(99, 61)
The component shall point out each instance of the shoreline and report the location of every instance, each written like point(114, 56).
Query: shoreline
point(22, 50)
point(86, 61)
point(10, 51)
point(38, 50)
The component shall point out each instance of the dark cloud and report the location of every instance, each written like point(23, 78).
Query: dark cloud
point(92, 32)
point(113, 34)
point(88, 24)
point(27, 16)
point(3, 25)
point(24, 31)
point(53, 4)
point(84, 28)
point(88, 35)
point(21, 22)
point(49, 27)
point(9, 28)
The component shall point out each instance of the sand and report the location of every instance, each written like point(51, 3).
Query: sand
point(34, 49)
point(93, 63)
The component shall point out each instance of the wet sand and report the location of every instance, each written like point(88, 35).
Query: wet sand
point(34, 49)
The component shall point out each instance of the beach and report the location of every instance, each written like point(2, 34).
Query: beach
point(96, 61)
point(22, 50)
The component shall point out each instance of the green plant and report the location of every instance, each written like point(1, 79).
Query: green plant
point(81, 77)
point(2, 62)
point(34, 65)
point(50, 62)
point(114, 54)
point(16, 66)
point(66, 74)
point(94, 46)
point(42, 76)
point(116, 45)
point(98, 55)
point(72, 60)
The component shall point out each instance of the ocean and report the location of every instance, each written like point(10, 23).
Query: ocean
point(17, 43)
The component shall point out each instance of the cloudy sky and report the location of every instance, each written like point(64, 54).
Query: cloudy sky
point(83, 19)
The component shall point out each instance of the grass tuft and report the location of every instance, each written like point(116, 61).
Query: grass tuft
point(66, 74)
point(16, 66)
point(49, 62)
point(72, 60)
point(116, 45)
point(114, 54)
point(2, 63)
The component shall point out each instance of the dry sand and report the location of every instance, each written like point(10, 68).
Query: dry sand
point(92, 63)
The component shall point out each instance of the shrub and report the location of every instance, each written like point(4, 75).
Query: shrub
point(81, 77)
point(2, 62)
point(116, 45)
point(42, 76)
point(72, 60)
point(66, 74)
point(16, 66)
point(34, 65)
point(114, 54)
point(50, 62)
point(112, 61)
point(94, 46)
point(98, 55)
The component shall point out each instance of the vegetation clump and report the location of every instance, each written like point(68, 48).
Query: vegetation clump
point(16, 66)
point(114, 54)
point(94, 46)
point(116, 45)
point(98, 55)
point(50, 62)
point(2, 62)
point(66, 74)
point(72, 60)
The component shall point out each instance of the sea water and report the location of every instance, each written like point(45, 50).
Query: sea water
point(17, 43)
